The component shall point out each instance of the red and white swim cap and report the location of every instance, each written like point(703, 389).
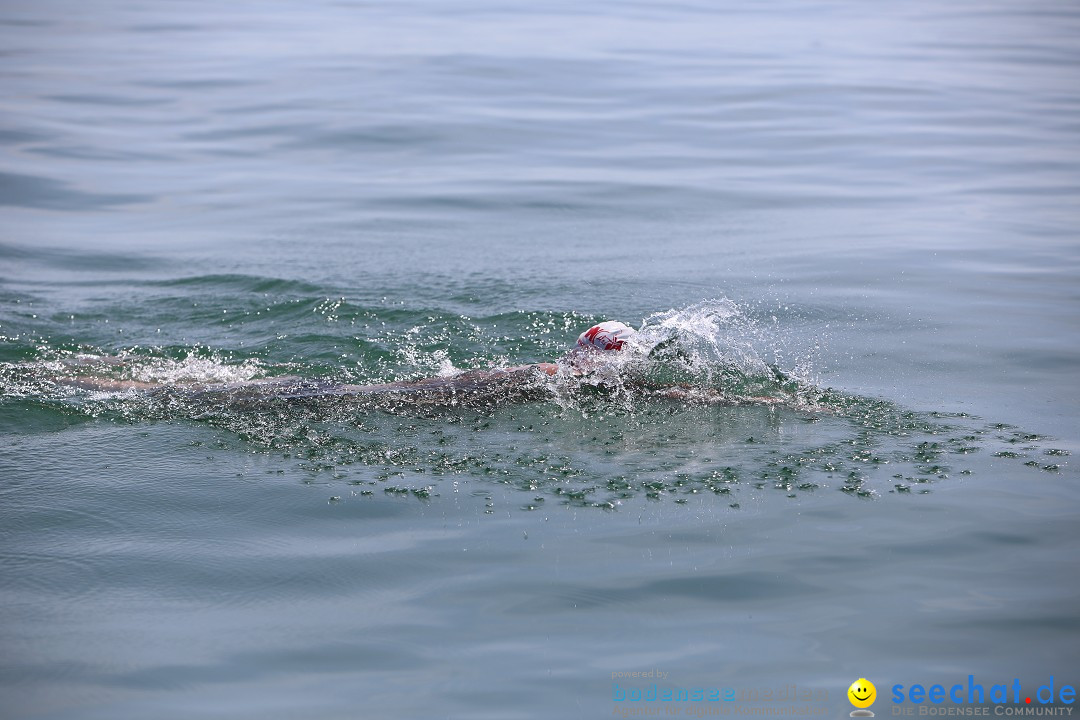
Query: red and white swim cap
point(606, 336)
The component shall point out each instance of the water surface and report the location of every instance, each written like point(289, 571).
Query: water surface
point(877, 201)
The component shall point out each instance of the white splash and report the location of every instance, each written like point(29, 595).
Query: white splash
point(192, 370)
point(709, 334)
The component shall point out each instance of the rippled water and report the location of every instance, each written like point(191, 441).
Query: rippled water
point(865, 214)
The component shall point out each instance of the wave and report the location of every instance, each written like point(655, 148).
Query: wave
point(702, 405)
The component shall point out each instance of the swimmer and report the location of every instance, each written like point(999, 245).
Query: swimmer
point(598, 351)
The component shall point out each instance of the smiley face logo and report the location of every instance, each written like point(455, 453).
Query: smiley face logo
point(862, 693)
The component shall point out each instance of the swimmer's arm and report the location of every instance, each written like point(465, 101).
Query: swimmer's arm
point(546, 368)
point(87, 382)
point(91, 382)
point(471, 379)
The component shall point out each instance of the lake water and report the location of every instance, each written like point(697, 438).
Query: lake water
point(878, 201)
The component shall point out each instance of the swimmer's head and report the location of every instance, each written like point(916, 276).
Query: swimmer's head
point(598, 347)
point(606, 336)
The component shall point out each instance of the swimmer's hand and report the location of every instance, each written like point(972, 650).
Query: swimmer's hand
point(668, 350)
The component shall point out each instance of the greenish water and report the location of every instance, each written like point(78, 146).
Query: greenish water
point(865, 214)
